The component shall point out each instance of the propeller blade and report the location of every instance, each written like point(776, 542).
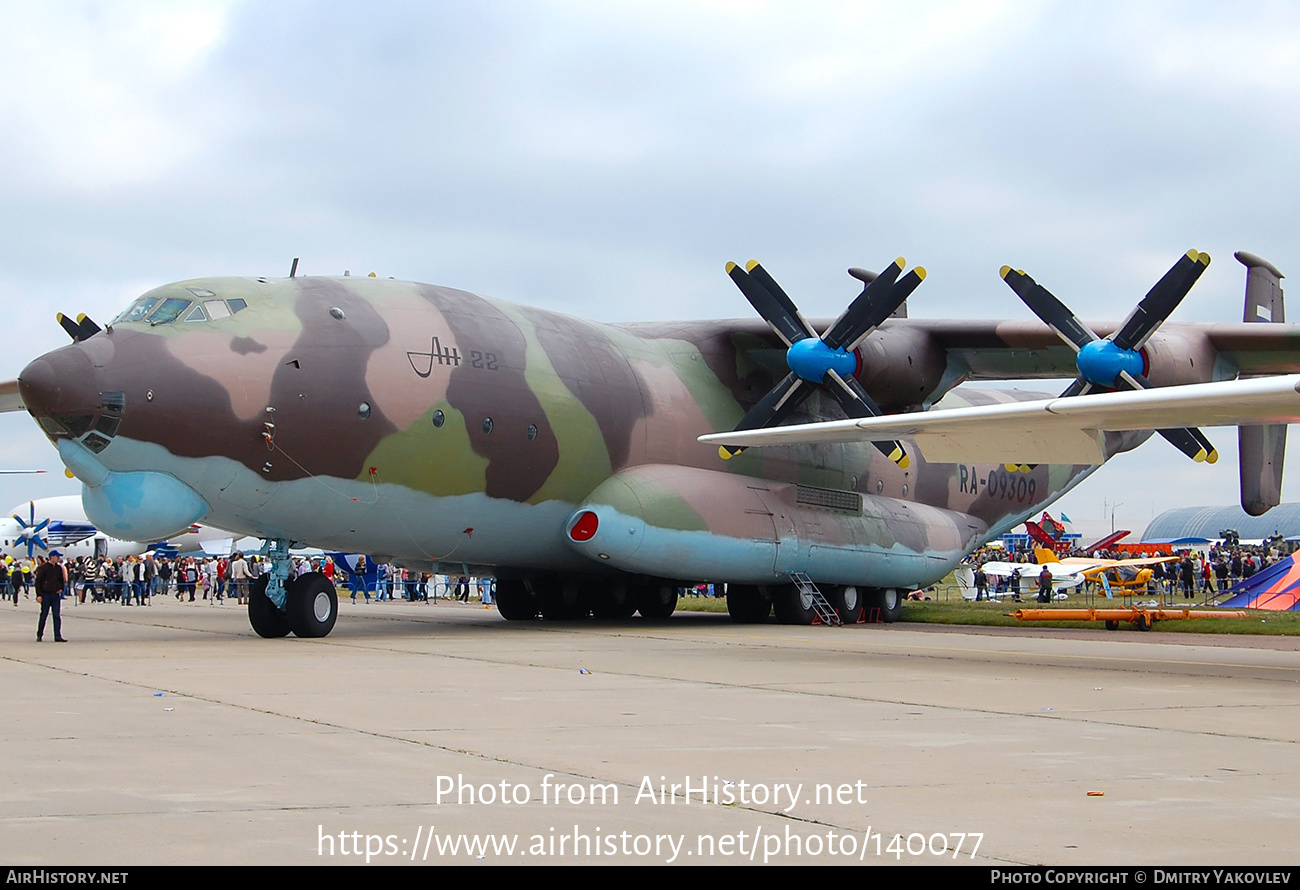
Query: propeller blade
point(70, 327)
point(786, 324)
point(870, 308)
point(759, 274)
point(898, 295)
point(856, 403)
point(87, 327)
point(1189, 440)
point(1161, 300)
point(1047, 307)
point(1080, 387)
point(774, 407)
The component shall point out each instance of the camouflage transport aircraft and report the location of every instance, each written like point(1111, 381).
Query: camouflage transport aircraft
point(452, 432)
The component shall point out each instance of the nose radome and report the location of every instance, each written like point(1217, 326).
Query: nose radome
point(61, 382)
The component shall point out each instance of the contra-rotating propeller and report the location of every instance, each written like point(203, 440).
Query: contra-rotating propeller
point(1117, 362)
point(82, 329)
point(829, 360)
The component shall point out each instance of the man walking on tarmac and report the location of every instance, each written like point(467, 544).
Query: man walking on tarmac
point(50, 580)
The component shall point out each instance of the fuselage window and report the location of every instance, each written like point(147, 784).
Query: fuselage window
point(196, 314)
point(237, 305)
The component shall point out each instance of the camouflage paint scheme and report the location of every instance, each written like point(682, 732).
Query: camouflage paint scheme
point(444, 429)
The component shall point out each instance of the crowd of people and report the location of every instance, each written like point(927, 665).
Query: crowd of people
point(136, 580)
point(1192, 574)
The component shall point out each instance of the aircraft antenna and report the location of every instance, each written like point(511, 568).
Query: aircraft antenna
point(293, 270)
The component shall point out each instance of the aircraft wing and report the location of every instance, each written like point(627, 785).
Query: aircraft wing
point(10, 400)
point(65, 533)
point(1060, 430)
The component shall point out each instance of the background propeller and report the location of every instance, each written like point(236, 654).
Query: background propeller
point(1116, 362)
point(828, 361)
point(30, 531)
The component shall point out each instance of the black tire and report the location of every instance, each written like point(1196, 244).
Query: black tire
point(792, 606)
point(514, 601)
point(560, 599)
point(612, 600)
point(747, 605)
point(656, 600)
point(1112, 624)
point(266, 619)
point(1144, 622)
point(848, 602)
point(887, 603)
point(312, 605)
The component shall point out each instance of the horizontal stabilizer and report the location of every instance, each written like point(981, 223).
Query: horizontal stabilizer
point(1060, 430)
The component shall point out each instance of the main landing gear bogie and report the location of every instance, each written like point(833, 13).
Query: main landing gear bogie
point(748, 604)
point(311, 608)
point(569, 598)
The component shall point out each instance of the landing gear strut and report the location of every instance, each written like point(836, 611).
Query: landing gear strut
point(308, 605)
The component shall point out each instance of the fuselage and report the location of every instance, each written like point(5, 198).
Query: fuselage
point(437, 427)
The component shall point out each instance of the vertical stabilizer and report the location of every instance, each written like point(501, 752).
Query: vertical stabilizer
point(1262, 448)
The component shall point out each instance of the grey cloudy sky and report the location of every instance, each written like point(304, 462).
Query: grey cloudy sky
point(605, 160)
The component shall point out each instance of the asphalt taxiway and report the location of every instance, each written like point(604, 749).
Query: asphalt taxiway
point(171, 734)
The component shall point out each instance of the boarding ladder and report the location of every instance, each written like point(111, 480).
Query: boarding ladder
point(825, 614)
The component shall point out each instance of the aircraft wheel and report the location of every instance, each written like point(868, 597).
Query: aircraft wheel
point(848, 601)
point(747, 605)
point(313, 606)
point(514, 601)
point(656, 600)
point(615, 601)
point(792, 605)
point(266, 619)
point(888, 601)
point(560, 599)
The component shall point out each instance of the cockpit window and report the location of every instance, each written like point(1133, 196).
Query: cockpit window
point(168, 310)
point(137, 310)
point(216, 309)
point(165, 310)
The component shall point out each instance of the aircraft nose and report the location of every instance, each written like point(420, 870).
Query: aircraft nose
point(61, 383)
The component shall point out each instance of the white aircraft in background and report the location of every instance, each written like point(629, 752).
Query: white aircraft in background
point(36, 527)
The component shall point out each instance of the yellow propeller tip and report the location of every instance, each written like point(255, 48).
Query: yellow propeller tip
point(724, 453)
point(904, 462)
point(730, 267)
point(1004, 272)
point(920, 272)
point(900, 263)
point(749, 267)
point(1212, 457)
